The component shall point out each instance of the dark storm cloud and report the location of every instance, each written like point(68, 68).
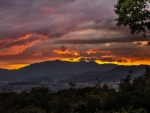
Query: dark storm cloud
point(52, 18)
point(100, 41)
point(20, 3)
point(2, 44)
point(108, 59)
point(121, 60)
point(19, 17)
point(63, 48)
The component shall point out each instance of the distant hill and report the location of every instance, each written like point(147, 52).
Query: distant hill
point(113, 75)
point(63, 71)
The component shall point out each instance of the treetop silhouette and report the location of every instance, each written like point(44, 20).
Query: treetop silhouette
point(135, 14)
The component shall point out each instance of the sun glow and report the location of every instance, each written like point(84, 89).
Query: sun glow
point(127, 63)
point(78, 59)
point(71, 59)
point(13, 66)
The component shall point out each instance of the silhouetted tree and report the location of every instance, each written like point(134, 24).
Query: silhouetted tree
point(135, 14)
point(98, 83)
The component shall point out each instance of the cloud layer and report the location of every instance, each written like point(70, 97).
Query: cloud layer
point(37, 30)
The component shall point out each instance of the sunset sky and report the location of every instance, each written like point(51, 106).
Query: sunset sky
point(70, 30)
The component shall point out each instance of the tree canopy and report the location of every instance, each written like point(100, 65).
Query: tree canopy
point(135, 14)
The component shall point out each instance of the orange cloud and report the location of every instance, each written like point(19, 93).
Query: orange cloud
point(96, 50)
point(23, 56)
point(19, 45)
point(66, 52)
point(23, 37)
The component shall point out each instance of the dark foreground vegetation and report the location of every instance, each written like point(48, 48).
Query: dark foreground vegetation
point(132, 96)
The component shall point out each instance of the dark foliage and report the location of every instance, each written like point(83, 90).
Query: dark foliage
point(135, 14)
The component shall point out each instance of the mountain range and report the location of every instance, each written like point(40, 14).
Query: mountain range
point(63, 71)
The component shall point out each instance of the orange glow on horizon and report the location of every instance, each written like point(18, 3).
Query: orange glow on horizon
point(13, 66)
point(128, 63)
point(76, 58)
